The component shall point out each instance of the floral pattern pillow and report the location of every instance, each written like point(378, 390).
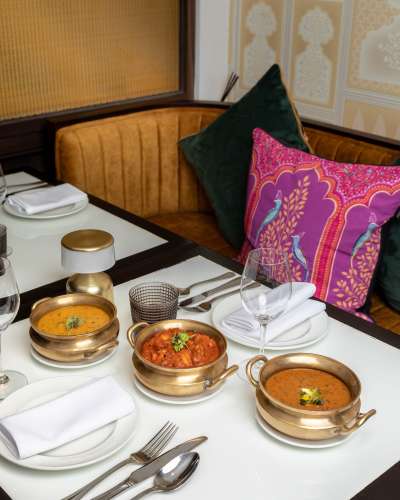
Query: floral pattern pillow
point(326, 215)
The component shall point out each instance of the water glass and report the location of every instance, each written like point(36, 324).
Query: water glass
point(153, 302)
point(3, 186)
point(10, 380)
point(270, 267)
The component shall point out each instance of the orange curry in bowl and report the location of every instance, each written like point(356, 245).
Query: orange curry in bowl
point(73, 320)
point(308, 388)
point(175, 348)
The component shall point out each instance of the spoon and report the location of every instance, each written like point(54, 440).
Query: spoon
point(173, 475)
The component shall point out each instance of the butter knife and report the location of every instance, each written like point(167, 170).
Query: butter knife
point(151, 468)
point(31, 188)
point(25, 184)
point(217, 289)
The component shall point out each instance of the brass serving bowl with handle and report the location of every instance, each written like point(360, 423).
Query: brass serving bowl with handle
point(178, 381)
point(72, 348)
point(300, 422)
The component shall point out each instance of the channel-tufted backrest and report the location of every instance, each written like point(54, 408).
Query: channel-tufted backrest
point(344, 149)
point(134, 161)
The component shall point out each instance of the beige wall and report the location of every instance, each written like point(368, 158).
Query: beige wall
point(340, 58)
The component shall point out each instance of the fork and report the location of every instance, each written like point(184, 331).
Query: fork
point(147, 453)
point(186, 290)
point(206, 306)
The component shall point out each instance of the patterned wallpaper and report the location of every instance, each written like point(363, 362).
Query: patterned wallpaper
point(340, 58)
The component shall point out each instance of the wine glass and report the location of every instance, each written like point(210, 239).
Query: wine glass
point(10, 380)
point(3, 186)
point(270, 267)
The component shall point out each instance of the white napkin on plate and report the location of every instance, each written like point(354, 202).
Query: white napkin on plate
point(48, 198)
point(298, 309)
point(68, 417)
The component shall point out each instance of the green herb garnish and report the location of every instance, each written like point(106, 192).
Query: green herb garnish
point(179, 341)
point(73, 322)
point(310, 396)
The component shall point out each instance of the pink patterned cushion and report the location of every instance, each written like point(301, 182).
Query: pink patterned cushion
point(326, 215)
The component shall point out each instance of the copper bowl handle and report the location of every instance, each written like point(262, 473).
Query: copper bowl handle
point(360, 420)
point(38, 302)
point(105, 347)
point(134, 330)
point(210, 384)
point(249, 367)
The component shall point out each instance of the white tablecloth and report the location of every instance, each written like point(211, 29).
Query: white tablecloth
point(239, 461)
point(36, 244)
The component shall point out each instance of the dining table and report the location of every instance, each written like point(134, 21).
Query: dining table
point(240, 460)
point(35, 244)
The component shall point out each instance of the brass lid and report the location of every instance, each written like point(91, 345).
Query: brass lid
point(87, 240)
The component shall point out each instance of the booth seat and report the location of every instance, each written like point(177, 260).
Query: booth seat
point(133, 161)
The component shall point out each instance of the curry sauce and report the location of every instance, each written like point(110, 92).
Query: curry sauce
point(73, 320)
point(175, 348)
point(308, 388)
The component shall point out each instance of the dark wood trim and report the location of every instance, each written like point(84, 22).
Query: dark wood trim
point(385, 487)
point(187, 40)
point(124, 270)
point(3, 495)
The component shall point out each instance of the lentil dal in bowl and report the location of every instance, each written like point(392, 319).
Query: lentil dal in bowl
point(73, 327)
point(308, 396)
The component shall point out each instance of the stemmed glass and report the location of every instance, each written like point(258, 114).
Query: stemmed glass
point(10, 380)
point(3, 186)
point(269, 266)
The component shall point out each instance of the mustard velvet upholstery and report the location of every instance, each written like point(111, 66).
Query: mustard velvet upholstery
point(134, 162)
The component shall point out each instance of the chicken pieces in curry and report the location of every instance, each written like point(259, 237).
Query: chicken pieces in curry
point(175, 348)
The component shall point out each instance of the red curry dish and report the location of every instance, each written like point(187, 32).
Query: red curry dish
point(175, 348)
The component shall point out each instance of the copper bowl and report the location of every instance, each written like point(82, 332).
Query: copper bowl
point(301, 423)
point(80, 347)
point(178, 381)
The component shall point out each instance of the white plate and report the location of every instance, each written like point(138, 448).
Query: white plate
point(306, 333)
point(49, 214)
point(86, 450)
point(72, 365)
point(300, 443)
point(175, 400)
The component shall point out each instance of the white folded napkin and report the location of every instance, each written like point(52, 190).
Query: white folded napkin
point(68, 417)
point(298, 309)
point(48, 198)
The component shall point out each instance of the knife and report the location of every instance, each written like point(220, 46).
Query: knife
point(25, 184)
point(151, 468)
point(217, 289)
point(31, 188)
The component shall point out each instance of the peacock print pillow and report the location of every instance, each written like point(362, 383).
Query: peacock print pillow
point(326, 215)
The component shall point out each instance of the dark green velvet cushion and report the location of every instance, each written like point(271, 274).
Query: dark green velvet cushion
point(388, 273)
point(220, 154)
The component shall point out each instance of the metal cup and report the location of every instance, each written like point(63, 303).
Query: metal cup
point(153, 302)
